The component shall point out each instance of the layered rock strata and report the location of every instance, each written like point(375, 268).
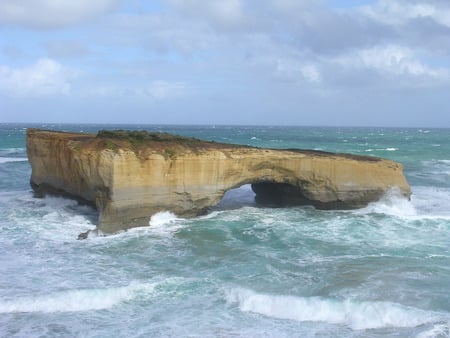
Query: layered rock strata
point(129, 176)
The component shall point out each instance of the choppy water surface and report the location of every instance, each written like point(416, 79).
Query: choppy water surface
point(241, 270)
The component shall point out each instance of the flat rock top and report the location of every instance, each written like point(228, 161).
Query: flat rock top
point(143, 141)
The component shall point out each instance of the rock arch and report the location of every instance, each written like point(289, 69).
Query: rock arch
point(130, 179)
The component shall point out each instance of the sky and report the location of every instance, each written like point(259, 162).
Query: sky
point(233, 62)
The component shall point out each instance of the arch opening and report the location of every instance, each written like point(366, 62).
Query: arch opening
point(279, 194)
point(235, 198)
point(263, 194)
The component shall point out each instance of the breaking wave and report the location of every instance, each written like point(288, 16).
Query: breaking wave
point(13, 152)
point(12, 159)
point(357, 315)
point(393, 204)
point(76, 300)
point(164, 223)
point(425, 203)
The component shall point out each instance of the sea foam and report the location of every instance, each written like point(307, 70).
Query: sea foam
point(393, 204)
point(425, 203)
point(437, 331)
point(76, 300)
point(12, 159)
point(357, 315)
point(164, 223)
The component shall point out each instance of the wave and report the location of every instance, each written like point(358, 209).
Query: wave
point(438, 330)
point(431, 173)
point(53, 218)
point(381, 149)
point(162, 219)
point(393, 204)
point(13, 152)
point(357, 315)
point(12, 159)
point(425, 203)
point(76, 300)
point(162, 223)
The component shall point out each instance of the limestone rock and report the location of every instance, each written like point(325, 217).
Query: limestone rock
point(129, 176)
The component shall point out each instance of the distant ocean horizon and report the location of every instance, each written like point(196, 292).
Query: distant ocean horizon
point(242, 270)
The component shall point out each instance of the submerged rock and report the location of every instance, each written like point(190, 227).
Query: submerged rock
point(130, 176)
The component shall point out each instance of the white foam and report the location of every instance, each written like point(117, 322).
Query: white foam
point(162, 218)
point(437, 331)
point(393, 204)
point(51, 218)
point(357, 315)
point(12, 159)
point(432, 202)
point(76, 300)
point(164, 222)
point(12, 151)
point(381, 149)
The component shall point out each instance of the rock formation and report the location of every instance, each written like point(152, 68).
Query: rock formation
point(129, 176)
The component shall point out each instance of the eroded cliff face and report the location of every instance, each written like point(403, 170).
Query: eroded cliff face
point(129, 180)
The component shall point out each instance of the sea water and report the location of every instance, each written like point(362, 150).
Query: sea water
point(242, 270)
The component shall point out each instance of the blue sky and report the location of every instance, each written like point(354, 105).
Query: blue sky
point(266, 62)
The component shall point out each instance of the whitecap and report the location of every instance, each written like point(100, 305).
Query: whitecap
point(76, 300)
point(10, 152)
point(53, 218)
point(164, 223)
point(12, 159)
point(391, 149)
point(437, 331)
point(393, 203)
point(162, 218)
point(432, 202)
point(355, 314)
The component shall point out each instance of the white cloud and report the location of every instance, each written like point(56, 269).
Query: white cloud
point(51, 13)
point(391, 60)
point(45, 77)
point(295, 70)
point(398, 12)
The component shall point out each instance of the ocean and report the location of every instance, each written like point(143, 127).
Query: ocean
point(241, 270)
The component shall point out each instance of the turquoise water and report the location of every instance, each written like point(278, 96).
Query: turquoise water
point(241, 270)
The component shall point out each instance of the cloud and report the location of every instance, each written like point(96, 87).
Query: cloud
point(266, 55)
point(224, 13)
point(158, 90)
point(44, 78)
point(419, 24)
point(51, 13)
point(395, 60)
point(294, 70)
point(397, 12)
point(302, 42)
point(390, 59)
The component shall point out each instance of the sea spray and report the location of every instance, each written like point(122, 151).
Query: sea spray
point(393, 204)
point(164, 223)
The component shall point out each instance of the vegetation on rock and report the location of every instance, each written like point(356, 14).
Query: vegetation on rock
point(142, 136)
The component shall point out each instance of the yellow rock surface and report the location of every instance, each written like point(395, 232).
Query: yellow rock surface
point(129, 182)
